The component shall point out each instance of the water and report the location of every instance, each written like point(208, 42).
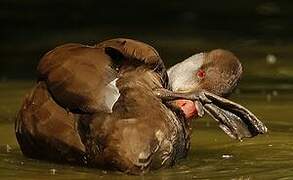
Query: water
point(213, 155)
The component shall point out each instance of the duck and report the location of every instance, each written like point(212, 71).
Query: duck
point(114, 105)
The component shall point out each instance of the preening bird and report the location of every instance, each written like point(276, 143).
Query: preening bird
point(114, 105)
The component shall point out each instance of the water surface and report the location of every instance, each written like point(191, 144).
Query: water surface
point(213, 155)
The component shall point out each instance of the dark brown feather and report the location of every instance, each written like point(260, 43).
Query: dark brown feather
point(136, 54)
point(141, 133)
point(45, 130)
point(76, 75)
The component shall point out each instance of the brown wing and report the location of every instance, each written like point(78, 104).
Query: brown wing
point(132, 49)
point(135, 53)
point(76, 75)
point(45, 130)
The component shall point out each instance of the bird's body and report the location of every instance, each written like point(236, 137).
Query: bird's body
point(108, 118)
point(141, 133)
point(110, 105)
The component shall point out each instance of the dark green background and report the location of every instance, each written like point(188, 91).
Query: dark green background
point(251, 29)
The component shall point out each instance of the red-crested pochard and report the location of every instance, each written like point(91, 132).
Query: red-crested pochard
point(113, 105)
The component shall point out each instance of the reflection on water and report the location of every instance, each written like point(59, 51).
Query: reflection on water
point(213, 154)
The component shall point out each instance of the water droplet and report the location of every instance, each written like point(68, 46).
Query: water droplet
point(53, 171)
point(227, 156)
point(275, 93)
point(8, 148)
point(271, 59)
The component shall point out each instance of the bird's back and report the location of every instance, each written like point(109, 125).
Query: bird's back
point(141, 133)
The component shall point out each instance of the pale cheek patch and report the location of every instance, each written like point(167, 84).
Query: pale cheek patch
point(182, 75)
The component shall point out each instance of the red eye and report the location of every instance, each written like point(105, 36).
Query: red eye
point(201, 73)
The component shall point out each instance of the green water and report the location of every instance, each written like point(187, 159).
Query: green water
point(213, 155)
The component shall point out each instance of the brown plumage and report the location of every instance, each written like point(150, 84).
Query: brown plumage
point(77, 75)
point(69, 117)
point(45, 130)
point(103, 106)
point(223, 72)
point(141, 133)
point(135, 54)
